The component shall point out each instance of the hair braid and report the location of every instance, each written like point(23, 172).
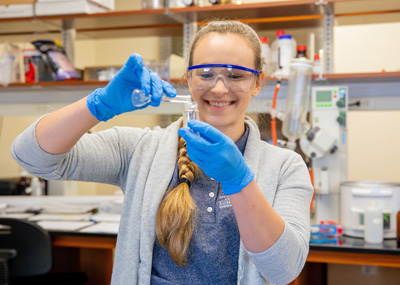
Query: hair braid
point(174, 223)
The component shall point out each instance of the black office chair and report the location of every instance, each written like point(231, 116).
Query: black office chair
point(26, 256)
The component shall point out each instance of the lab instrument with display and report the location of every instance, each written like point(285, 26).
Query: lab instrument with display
point(326, 144)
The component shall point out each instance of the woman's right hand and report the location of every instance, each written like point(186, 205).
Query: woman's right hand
point(116, 97)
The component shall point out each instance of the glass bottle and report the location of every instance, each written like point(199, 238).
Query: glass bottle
point(23, 183)
point(398, 229)
point(301, 51)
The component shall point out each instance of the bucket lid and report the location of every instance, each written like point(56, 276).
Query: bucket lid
point(301, 62)
point(370, 184)
point(285, 37)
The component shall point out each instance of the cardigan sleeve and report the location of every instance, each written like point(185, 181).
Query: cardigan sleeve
point(99, 157)
point(283, 261)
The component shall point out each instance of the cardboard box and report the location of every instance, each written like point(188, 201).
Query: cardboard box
point(102, 73)
point(14, 2)
point(110, 4)
point(62, 7)
point(16, 11)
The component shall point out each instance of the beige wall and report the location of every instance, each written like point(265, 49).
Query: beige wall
point(10, 127)
point(104, 52)
point(374, 141)
point(367, 48)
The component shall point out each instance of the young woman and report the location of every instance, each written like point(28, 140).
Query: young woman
point(212, 205)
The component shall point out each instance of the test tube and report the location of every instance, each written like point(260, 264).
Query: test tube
point(191, 112)
point(140, 99)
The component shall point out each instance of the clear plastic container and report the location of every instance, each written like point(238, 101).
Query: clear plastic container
point(295, 123)
point(373, 228)
point(153, 4)
point(317, 65)
point(191, 112)
point(286, 52)
point(274, 52)
point(266, 54)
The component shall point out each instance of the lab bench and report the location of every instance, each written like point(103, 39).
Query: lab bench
point(93, 253)
point(349, 251)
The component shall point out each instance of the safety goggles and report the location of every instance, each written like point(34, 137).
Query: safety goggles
point(236, 78)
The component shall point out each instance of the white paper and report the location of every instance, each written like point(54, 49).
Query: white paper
point(106, 228)
point(66, 208)
point(63, 225)
point(21, 216)
point(63, 217)
point(106, 218)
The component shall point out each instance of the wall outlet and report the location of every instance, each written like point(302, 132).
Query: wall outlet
point(366, 103)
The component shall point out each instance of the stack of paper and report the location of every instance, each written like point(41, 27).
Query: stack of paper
point(60, 7)
point(61, 217)
point(102, 228)
point(16, 8)
point(67, 208)
point(64, 225)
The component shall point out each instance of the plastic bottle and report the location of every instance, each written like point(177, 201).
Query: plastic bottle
point(301, 51)
point(266, 54)
point(373, 227)
point(286, 52)
point(317, 64)
point(274, 52)
point(23, 183)
point(36, 186)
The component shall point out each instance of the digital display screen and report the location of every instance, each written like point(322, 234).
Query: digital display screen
point(324, 96)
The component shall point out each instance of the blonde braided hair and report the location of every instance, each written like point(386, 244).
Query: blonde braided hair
point(174, 223)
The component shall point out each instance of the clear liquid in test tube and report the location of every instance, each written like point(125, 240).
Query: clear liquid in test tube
point(191, 112)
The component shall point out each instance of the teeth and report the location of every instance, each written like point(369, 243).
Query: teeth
point(219, 104)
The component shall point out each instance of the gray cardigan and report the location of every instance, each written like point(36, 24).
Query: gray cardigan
point(142, 161)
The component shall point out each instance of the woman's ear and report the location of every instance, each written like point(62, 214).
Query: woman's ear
point(259, 83)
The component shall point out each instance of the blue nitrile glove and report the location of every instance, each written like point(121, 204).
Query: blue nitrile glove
point(116, 97)
point(217, 155)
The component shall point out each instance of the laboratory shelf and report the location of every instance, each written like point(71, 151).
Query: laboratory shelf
point(359, 77)
point(169, 22)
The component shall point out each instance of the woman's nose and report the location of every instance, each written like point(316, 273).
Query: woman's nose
point(220, 86)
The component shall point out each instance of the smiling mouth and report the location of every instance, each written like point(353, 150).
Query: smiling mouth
point(220, 104)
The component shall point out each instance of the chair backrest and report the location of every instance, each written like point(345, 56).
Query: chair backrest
point(32, 244)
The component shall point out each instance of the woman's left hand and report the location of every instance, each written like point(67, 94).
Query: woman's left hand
point(217, 155)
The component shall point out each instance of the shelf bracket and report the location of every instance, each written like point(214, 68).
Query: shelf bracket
point(189, 21)
point(189, 32)
point(68, 39)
